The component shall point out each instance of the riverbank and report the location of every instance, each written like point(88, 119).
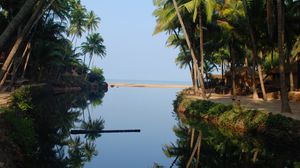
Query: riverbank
point(240, 119)
point(22, 113)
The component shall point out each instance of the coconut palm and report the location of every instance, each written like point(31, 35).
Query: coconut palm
point(93, 46)
point(16, 22)
point(78, 21)
point(92, 21)
point(188, 41)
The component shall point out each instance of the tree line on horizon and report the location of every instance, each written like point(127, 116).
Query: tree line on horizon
point(38, 40)
point(261, 35)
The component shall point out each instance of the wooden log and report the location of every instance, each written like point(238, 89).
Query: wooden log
point(103, 131)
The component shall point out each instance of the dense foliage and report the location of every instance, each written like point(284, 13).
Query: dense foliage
point(238, 37)
point(38, 41)
point(40, 127)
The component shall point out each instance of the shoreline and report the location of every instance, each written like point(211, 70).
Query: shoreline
point(149, 85)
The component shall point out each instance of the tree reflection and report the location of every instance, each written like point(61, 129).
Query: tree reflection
point(54, 116)
point(223, 148)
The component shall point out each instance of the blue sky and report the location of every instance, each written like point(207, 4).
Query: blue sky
point(132, 51)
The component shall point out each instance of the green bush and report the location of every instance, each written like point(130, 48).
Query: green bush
point(254, 118)
point(200, 107)
point(219, 109)
point(22, 132)
point(280, 122)
point(21, 99)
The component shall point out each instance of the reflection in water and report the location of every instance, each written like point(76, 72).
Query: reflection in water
point(199, 144)
point(54, 116)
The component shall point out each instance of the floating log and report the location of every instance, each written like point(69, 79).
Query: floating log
point(103, 131)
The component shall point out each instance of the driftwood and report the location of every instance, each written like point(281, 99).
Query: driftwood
point(103, 131)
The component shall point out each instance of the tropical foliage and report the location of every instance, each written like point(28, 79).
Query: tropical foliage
point(232, 35)
point(38, 41)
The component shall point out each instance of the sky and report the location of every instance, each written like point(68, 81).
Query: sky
point(133, 53)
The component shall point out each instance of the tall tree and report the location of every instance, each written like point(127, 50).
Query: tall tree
point(187, 38)
point(285, 107)
point(93, 46)
point(92, 21)
point(254, 55)
point(16, 22)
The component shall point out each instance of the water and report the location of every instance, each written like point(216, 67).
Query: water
point(164, 136)
point(135, 108)
point(149, 82)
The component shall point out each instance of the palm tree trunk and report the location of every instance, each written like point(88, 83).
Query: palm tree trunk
point(27, 60)
point(5, 75)
point(254, 52)
point(188, 43)
point(289, 62)
point(91, 57)
point(17, 63)
point(253, 76)
point(28, 27)
point(201, 54)
point(285, 107)
point(232, 55)
point(261, 79)
point(186, 55)
point(16, 22)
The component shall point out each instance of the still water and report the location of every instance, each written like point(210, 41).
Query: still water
point(148, 109)
point(165, 138)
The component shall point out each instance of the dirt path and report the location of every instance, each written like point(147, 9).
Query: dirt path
point(4, 98)
point(273, 106)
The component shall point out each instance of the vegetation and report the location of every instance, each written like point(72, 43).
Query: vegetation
point(233, 35)
point(221, 147)
point(38, 42)
point(239, 118)
point(42, 131)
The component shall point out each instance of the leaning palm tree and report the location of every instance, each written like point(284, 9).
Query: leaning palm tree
point(188, 41)
point(93, 46)
point(195, 7)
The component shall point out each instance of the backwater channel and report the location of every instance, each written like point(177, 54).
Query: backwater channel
point(164, 140)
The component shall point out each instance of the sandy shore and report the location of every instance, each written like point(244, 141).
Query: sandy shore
point(148, 85)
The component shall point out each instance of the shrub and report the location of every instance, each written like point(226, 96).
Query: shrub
point(280, 122)
point(199, 107)
point(254, 118)
point(218, 109)
point(21, 99)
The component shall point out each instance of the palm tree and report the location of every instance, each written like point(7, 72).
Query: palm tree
point(97, 124)
point(77, 21)
point(187, 38)
point(254, 53)
point(93, 46)
point(30, 24)
point(285, 107)
point(16, 22)
point(92, 21)
point(167, 20)
point(195, 6)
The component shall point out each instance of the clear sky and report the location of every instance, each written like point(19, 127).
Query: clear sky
point(132, 51)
